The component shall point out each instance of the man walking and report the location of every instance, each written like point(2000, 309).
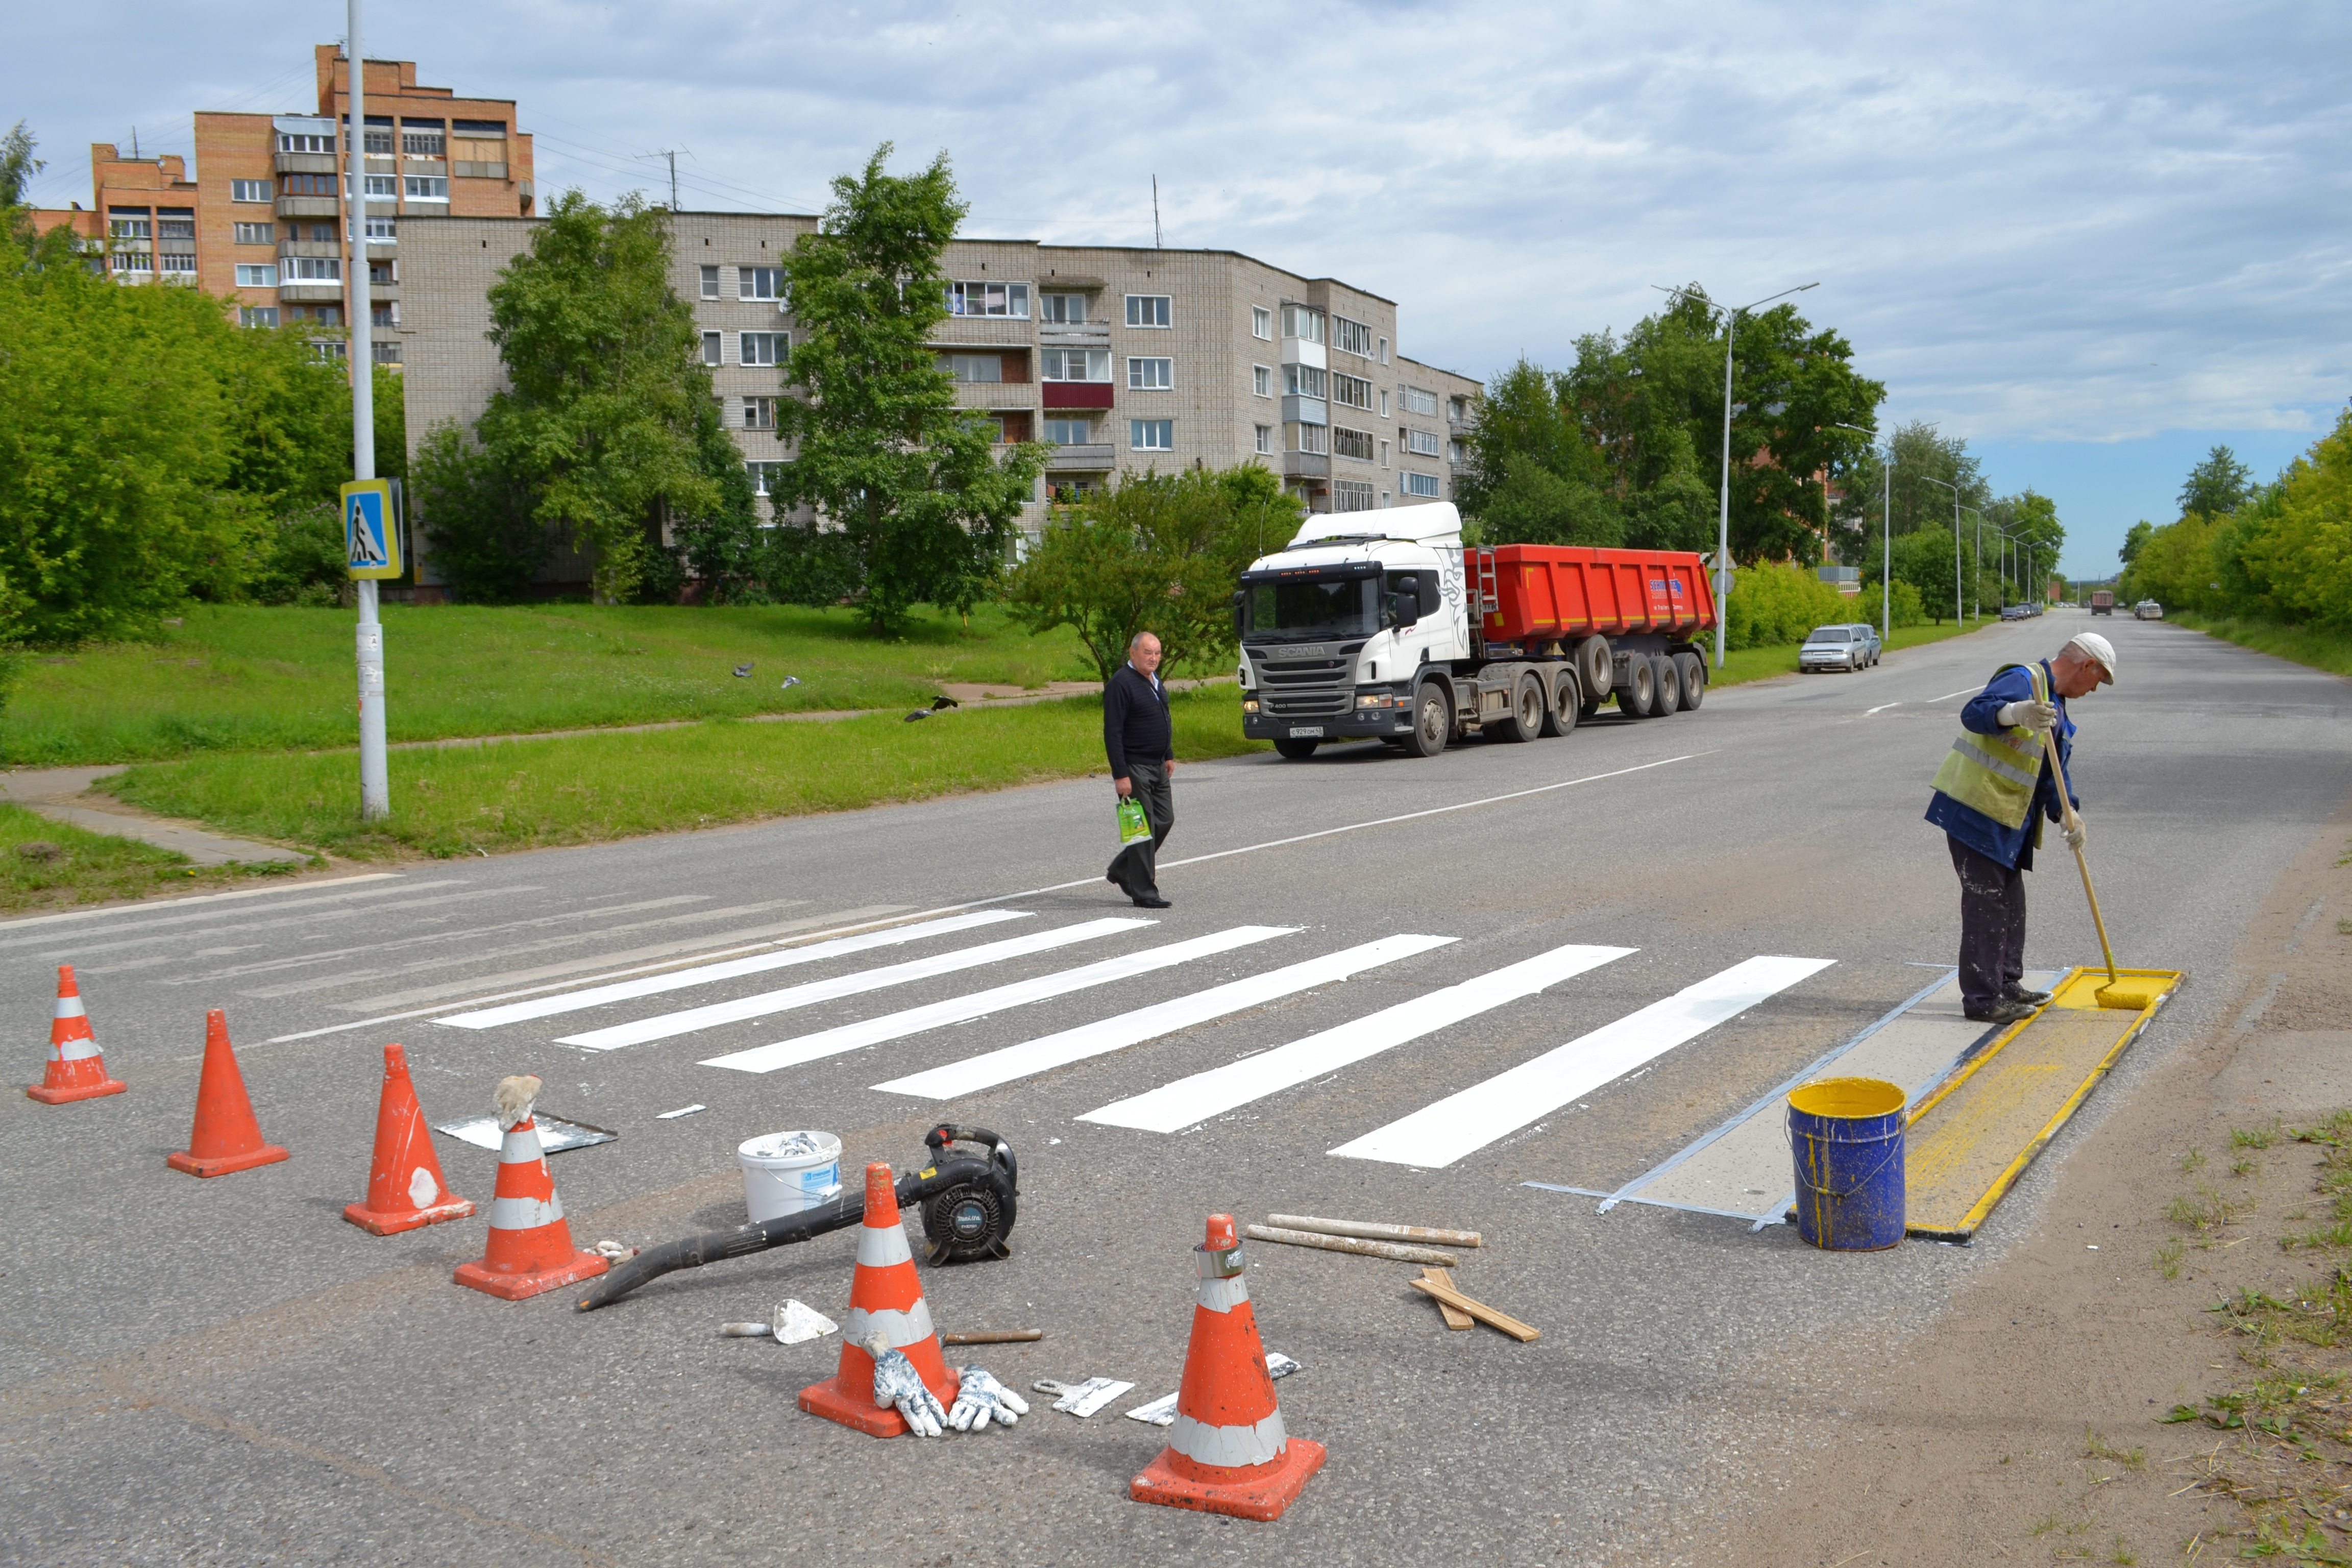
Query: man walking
point(1140, 741)
point(1992, 793)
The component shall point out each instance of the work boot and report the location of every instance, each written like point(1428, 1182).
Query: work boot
point(2002, 1012)
point(2013, 992)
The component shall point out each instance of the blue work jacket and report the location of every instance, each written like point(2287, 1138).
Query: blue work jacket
point(2010, 846)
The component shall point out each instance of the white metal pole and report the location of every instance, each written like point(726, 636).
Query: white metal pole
point(375, 783)
point(1723, 503)
point(1886, 541)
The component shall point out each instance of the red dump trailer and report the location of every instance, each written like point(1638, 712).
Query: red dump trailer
point(1544, 593)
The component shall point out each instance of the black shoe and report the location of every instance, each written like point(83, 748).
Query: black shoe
point(2003, 1012)
point(2024, 993)
point(1150, 902)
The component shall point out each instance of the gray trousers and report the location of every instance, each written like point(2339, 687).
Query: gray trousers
point(1992, 927)
point(1136, 868)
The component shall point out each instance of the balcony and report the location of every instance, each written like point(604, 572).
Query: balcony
point(996, 394)
point(309, 248)
point(1094, 456)
point(1074, 335)
point(1306, 465)
point(307, 163)
point(309, 206)
point(310, 291)
point(1077, 394)
point(983, 332)
point(423, 166)
point(1305, 411)
point(476, 170)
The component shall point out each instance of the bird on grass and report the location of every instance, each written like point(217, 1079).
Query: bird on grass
point(742, 672)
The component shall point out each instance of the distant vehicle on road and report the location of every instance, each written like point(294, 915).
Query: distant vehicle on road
point(1834, 647)
point(2103, 601)
point(1869, 633)
point(2147, 610)
point(2016, 612)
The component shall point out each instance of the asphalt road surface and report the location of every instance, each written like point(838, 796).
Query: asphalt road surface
point(226, 1371)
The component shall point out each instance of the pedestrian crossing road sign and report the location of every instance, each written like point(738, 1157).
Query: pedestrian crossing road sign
point(371, 527)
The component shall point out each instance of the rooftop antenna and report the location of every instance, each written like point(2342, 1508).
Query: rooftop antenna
point(1158, 241)
point(671, 154)
point(134, 158)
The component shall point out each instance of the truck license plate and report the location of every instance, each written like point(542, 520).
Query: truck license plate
point(1306, 732)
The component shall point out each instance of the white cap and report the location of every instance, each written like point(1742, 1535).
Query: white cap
point(2092, 646)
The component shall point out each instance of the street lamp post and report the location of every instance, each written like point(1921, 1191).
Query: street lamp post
point(1976, 578)
point(375, 790)
point(1957, 616)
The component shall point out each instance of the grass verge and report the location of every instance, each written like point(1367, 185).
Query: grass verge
point(47, 865)
point(2317, 647)
point(1764, 663)
point(241, 677)
point(585, 789)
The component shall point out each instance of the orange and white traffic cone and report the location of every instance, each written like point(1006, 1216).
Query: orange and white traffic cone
point(886, 1297)
point(75, 1070)
point(406, 1186)
point(531, 1245)
point(1227, 1452)
point(225, 1138)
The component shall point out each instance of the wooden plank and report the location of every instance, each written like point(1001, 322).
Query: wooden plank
point(1454, 1317)
point(1478, 1309)
point(1375, 1231)
point(1388, 1249)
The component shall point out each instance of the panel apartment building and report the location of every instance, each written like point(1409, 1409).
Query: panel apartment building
point(265, 220)
point(1124, 360)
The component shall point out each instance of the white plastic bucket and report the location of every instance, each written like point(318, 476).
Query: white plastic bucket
point(784, 1172)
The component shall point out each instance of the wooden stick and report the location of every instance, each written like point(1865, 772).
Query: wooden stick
point(1343, 1244)
point(1478, 1309)
point(1454, 1317)
point(1376, 1232)
point(993, 1337)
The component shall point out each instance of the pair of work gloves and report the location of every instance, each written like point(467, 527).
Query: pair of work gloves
point(2042, 718)
point(980, 1398)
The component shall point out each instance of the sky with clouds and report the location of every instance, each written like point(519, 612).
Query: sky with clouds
point(2093, 240)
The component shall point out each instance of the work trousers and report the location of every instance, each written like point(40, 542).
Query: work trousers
point(1137, 868)
point(1992, 927)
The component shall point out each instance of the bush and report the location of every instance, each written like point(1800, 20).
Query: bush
point(301, 559)
point(1774, 605)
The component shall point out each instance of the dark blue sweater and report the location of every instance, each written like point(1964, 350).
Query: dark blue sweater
point(1135, 721)
point(2010, 846)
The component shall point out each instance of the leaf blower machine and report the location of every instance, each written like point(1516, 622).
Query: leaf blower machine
point(967, 1202)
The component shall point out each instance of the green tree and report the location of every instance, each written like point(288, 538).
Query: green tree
point(2134, 540)
point(484, 535)
point(609, 409)
point(2216, 487)
point(2297, 544)
point(1158, 552)
point(912, 485)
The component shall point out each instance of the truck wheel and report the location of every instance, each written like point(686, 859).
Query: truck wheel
point(1526, 719)
point(1566, 705)
point(1432, 720)
point(1638, 697)
point(1297, 751)
point(1593, 665)
point(1694, 673)
point(1670, 687)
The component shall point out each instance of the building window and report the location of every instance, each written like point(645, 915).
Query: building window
point(1064, 309)
point(1265, 437)
point(175, 223)
point(1422, 443)
point(710, 353)
point(1316, 439)
point(989, 299)
point(1306, 325)
point(425, 188)
point(324, 315)
point(1423, 485)
point(128, 228)
point(1384, 354)
point(180, 262)
point(1352, 389)
point(1457, 409)
point(384, 315)
point(1454, 451)
point(1356, 444)
point(1152, 435)
point(376, 137)
point(313, 269)
point(381, 188)
point(257, 315)
point(248, 190)
point(1069, 432)
point(762, 348)
point(1351, 495)
point(711, 282)
point(385, 351)
point(1384, 454)
point(1414, 400)
point(296, 141)
point(1148, 310)
point(1385, 500)
point(758, 414)
point(384, 273)
point(1076, 365)
point(320, 233)
point(767, 479)
point(1261, 323)
point(1262, 380)
point(252, 275)
point(325, 350)
point(424, 142)
point(759, 282)
point(972, 367)
point(1304, 381)
point(1351, 338)
point(257, 234)
point(305, 185)
point(383, 230)
point(1151, 374)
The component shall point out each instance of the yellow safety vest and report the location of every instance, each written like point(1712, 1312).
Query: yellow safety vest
point(1995, 775)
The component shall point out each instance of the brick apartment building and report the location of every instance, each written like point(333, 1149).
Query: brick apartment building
point(1126, 359)
point(265, 220)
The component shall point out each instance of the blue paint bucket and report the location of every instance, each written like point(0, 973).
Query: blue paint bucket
point(1847, 1136)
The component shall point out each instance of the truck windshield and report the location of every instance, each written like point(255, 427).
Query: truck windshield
point(1304, 609)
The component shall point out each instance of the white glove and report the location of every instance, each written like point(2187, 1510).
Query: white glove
point(895, 1382)
point(2076, 834)
point(2033, 715)
point(983, 1399)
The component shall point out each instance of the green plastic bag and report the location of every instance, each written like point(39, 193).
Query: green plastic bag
point(1134, 827)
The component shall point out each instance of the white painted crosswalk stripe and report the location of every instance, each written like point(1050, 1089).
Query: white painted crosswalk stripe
point(1099, 1038)
point(1196, 1098)
point(1439, 1134)
point(961, 1009)
point(709, 974)
point(665, 1025)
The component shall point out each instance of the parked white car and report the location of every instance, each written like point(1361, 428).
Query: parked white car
point(2147, 610)
point(1835, 647)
